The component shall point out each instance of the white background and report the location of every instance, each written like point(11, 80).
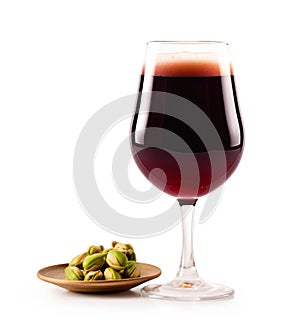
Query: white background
point(60, 61)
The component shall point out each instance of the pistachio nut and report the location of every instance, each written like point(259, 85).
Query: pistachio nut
point(93, 275)
point(95, 249)
point(73, 273)
point(132, 270)
point(94, 261)
point(78, 260)
point(122, 247)
point(106, 250)
point(131, 255)
point(129, 247)
point(116, 259)
point(110, 273)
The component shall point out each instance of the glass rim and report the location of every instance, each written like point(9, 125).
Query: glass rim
point(177, 42)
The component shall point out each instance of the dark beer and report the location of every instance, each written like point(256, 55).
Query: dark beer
point(196, 168)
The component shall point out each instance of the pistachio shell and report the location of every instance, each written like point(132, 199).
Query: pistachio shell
point(132, 270)
point(129, 247)
point(131, 255)
point(95, 249)
point(93, 275)
point(78, 260)
point(73, 273)
point(121, 247)
point(106, 250)
point(94, 261)
point(110, 273)
point(116, 259)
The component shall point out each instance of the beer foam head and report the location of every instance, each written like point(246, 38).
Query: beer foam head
point(188, 64)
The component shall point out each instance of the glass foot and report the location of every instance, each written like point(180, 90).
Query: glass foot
point(184, 290)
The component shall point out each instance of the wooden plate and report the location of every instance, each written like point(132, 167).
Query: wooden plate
point(56, 275)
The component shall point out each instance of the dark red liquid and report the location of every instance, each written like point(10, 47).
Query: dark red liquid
point(196, 166)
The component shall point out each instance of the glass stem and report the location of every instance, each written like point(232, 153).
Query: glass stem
point(187, 270)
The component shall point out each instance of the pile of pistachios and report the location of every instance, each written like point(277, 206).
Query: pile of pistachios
point(116, 262)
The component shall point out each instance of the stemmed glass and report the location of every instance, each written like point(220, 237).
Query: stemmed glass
point(187, 139)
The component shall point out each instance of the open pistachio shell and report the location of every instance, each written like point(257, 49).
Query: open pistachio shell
point(116, 259)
